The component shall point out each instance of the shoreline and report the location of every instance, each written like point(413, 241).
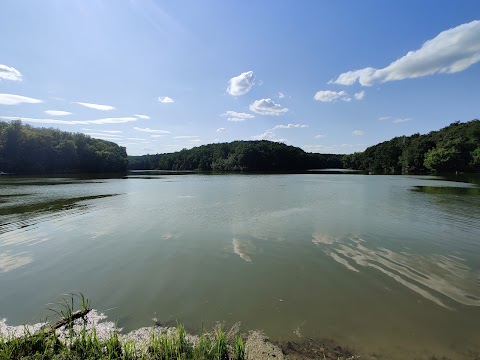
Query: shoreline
point(138, 343)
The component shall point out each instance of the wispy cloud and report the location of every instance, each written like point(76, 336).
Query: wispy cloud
point(319, 136)
point(186, 137)
point(143, 117)
point(290, 126)
point(221, 130)
point(241, 84)
point(96, 106)
point(401, 120)
point(103, 134)
point(104, 131)
point(119, 120)
point(11, 99)
point(331, 96)
point(57, 112)
point(165, 100)
point(195, 141)
point(451, 51)
point(157, 135)
point(324, 149)
point(267, 107)
point(135, 139)
point(358, 133)
point(148, 130)
point(382, 118)
point(236, 116)
point(10, 73)
point(281, 95)
point(359, 95)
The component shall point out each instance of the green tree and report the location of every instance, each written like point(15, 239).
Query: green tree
point(442, 159)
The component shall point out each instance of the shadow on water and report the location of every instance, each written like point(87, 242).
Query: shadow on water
point(447, 190)
point(464, 178)
point(20, 216)
point(47, 206)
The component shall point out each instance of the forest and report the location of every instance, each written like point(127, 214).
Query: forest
point(259, 155)
point(28, 150)
point(455, 148)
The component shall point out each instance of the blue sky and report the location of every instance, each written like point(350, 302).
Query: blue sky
point(159, 76)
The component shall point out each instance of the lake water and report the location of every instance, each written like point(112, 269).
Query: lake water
point(383, 264)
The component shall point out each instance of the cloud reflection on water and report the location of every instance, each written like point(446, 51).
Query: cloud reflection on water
point(431, 276)
point(9, 261)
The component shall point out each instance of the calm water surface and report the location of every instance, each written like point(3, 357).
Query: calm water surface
point(384, 264)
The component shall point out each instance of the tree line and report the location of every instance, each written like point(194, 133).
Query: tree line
point(260, 155)
point(451, 149)
point(28, 150)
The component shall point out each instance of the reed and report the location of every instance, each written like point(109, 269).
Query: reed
point(83, 343)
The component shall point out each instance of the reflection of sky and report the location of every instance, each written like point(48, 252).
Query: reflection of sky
point(431, 276)
point(9, 261)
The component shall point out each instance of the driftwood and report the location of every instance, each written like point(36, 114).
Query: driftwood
point(66, 321)
point(49, 329)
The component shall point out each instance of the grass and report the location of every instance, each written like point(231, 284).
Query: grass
point(75, 342)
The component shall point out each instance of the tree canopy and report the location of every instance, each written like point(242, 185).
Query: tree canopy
point(28, 150)
point(453, 148)
point(238, 156)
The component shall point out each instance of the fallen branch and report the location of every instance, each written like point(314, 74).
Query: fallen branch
point(66, 321)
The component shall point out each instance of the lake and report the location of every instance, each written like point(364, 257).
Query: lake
point(383, 264)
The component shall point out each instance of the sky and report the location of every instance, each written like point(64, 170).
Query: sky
point(160, 76)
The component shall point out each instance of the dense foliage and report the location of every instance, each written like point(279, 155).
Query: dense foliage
point(28, 150)
point(453, 148)
point(238, 156)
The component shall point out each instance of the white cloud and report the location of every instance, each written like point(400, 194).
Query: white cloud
point(221, 130)
point(157, 135)
point(73, 122)
point(241, 84)
point(103, 137)
point(324, 149)
point(96, 106)
point(281, 95)
point(267, 107)
point(267, 135)
point(57, 112)
point(290, 126)
point(319, 136)
point(451, 51)
point(331, 96)
point(195, 141)
point(104, 131)
point(165, 99)
point(10, 73)
point(384, 118)
point(102, 134)
point(358, 132)
point(359, 95)
point(186, 137)
point(236, 116)
point(401, 120)
point(11, 99)
point(135, 139)
point(143, 117)
point(148, 130)
point(334, 149)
